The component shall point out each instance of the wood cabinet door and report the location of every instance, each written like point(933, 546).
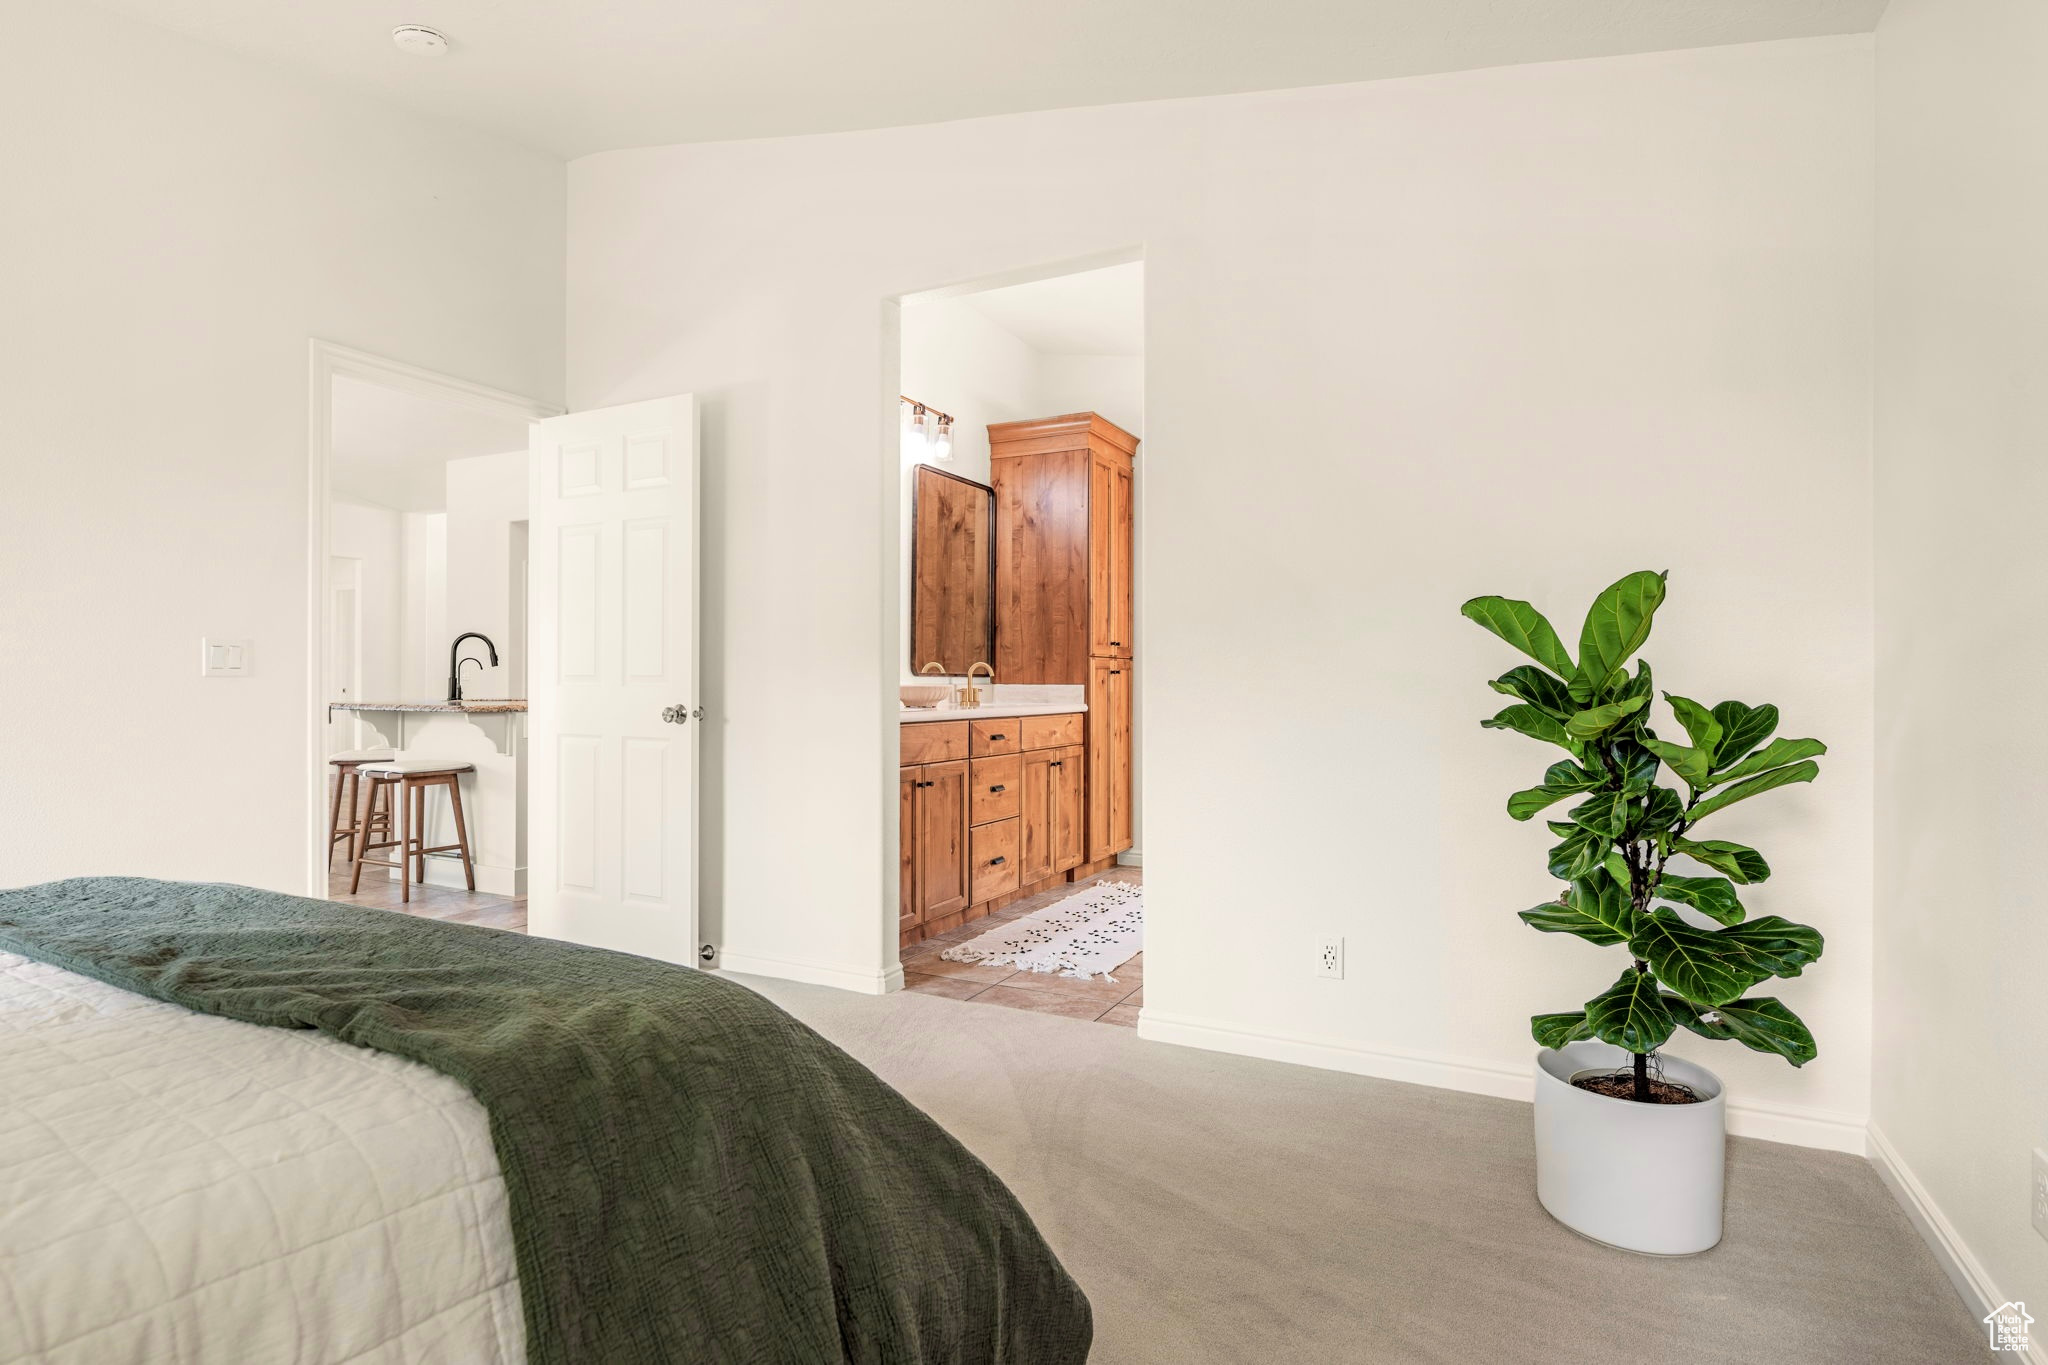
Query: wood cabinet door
point(1069, 767)
point(1122, 757)
point(1109, 757)
point(941, 822)
point(907, 789)
point(1101, 557)
point(1037, 841)
point(1121, 537)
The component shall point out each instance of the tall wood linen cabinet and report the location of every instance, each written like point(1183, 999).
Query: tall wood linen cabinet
point(1064, 521)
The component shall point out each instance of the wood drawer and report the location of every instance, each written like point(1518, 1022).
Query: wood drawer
point(1051, 732)
point(933, 741)
point(995, 859)
point(994, 784)
point(996, 736)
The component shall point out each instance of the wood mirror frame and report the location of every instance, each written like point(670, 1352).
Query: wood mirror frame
point(952, 572)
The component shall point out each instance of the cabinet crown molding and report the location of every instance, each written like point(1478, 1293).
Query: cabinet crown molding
point(1070, 431)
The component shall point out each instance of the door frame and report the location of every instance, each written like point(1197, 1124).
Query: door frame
point(328, 361)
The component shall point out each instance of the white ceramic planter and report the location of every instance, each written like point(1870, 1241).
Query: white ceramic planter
point(1642, 1177)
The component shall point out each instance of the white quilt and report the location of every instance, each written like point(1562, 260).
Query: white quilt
point(179, 1189)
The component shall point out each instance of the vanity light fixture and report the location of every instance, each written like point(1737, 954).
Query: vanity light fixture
point(927, 432)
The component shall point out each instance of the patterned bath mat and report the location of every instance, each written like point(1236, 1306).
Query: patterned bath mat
point(1082, 936)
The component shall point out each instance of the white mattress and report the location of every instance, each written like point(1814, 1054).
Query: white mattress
point(177, 1189)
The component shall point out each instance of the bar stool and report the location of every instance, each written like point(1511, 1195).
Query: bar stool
point(407, 782)
point(346, 764)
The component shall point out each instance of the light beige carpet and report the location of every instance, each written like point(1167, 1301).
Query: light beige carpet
point(1223, 1209)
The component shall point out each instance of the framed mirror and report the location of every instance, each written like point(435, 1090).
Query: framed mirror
point(952, 572)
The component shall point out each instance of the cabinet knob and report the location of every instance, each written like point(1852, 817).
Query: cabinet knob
point(993, 738)
point(998, 787)
point(997, 861)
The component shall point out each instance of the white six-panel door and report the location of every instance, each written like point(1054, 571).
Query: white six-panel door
point(613, 719)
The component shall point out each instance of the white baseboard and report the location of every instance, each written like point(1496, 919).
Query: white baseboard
point(1798, 1126)
point(1131, 857)
point(446, 871)
point(812, 973)
point(1958, 1262)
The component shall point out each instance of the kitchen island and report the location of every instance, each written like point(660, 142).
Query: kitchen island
point(486, 732)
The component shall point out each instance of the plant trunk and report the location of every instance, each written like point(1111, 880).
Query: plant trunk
point(1642, 1061)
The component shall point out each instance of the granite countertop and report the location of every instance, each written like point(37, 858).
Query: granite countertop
point(481, 706)
point(992, 710)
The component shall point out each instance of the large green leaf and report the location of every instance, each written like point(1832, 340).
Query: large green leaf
point(1631, 1014)
point(1757, 1022)
point(1540, 689)
point(1713, 897)
point(1555, 1030)
point(1743, 727)
point(1522, 626)
point(1578, 854)
point(1739, 862)
point(1599, 720)
point(1776, 754)
point(1699, 723)
point(1762, 782)
point(1664, 808)
point(1558, 917)
point(1615, 629)
point(1604, 813)
point(1637, 765)
point(1689, 763)
point(1530, 721)
point(1770, 946)
point(1561, 779)
point(1694, 962)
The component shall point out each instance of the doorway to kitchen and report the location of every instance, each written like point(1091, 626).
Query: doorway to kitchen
point(1019, 829)
point(418, 524)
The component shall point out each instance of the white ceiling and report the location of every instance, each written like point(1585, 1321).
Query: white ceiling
point(580, 76)
point(391, 448)
point(1097, 312)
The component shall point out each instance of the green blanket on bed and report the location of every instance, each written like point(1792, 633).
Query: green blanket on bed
point(693, 1174)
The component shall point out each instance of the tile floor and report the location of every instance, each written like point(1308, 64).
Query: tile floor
point(1106, 1002)
point(433, 902)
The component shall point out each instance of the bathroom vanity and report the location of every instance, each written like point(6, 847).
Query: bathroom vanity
point(1034, 786)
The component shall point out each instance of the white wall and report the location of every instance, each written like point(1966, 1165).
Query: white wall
point(425, 660)
point(1961, 1084)
point(486, 496)
point(376, 536)
point(180, 222)
point(1406, 342)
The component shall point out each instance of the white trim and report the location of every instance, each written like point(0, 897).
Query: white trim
point(1958, 1262)
point(1792, 1124)
point(327, 361)
point(812, 973)
point(1131, 857)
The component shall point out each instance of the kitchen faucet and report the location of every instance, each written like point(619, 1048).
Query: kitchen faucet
point(455, 665)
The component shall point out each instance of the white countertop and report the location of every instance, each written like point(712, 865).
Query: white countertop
point(992, 711)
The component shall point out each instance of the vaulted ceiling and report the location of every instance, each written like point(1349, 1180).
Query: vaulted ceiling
point(580, 76)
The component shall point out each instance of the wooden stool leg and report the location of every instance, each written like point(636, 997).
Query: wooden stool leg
point(334, 811)
point(355, 881)
point(461, 831)
point(404, 790)
point(419, 832)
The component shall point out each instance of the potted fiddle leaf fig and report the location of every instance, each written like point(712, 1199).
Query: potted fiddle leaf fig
point(1629, 1142)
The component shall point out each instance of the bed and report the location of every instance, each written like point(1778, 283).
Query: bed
point(240, 1126)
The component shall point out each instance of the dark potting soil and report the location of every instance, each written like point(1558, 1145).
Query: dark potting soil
point(1623, 1087)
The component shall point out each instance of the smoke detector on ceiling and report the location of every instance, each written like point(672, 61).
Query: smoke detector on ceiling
point(419, 42)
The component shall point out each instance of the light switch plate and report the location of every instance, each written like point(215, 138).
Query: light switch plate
point(220, 658)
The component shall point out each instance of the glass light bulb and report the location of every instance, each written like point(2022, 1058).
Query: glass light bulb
point(942, 441)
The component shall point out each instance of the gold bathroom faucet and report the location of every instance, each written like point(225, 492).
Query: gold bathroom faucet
point(970, 695)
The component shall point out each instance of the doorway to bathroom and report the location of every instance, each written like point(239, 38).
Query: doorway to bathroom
point(1020, 775)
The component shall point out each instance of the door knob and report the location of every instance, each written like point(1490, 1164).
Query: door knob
point(680, 715)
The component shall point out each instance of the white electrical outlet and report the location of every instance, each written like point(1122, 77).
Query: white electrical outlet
point(2040, 1200)
point(1330, 959)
